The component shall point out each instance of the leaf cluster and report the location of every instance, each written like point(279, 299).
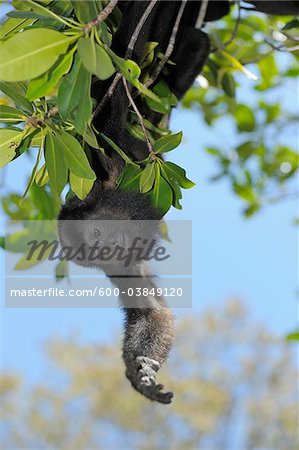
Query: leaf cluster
point(50, 51)
point(259, 157)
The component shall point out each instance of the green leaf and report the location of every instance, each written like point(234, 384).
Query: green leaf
point(44, 202)
point(229, 85)
point(131, 71)
point(90, 137)
point(118, 150)
point(147, 178)
point(42, 10)
point(104, 65)
point(25, 263)
point(136, 131)
point(293, 336)
point(148, 54)
point(9, 142)
point(176, 190)
point(245, 192)
point(245, 150)
point(12, 91)
point(17, 242)
point(16, 207)
point(95, 59)
point(55, 164)
point(42, 176)
point(177, 195)
point(164, 231)
point(268, 70)
point(178, 174)
point(294, 23)
point(86, 11)
point(34, 171)
point(129, 179)
point(45, 84)
point(251, 209)
point(162, 106)
point(161, 195)
point(12, 25)
point(168, 143)
point(74, 88)
point(10, 114)
point(165, 96)
point(244, 117)
point(61, 270)
point(20, 5)
point(238, 65)
point(74, 155)
point(29, 54)
point(80, 186)
point(27, 15)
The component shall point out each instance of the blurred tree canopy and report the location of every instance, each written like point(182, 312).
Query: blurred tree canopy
point(235, 384)
point(42, 113)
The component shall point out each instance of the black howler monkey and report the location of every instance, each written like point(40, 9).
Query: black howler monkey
point(149, 324)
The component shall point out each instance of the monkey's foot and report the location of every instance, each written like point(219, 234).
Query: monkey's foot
point(142, 373)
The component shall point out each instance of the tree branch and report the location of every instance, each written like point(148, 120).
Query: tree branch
point(169, 48)
point(128, 55)
point(52, 112)
point(234, 32)
point(202, 14)
point(101, 17)
point(147, 140)
point(282, 47)
point(280, 196)
point(138, 28)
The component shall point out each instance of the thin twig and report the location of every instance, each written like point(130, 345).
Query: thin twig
point(128, 55)
point(101, 17)
point(202, 14)
point(234, 32)
point(108, 94)
point(139, 115)
point(280, 196)
point(169, 48)
point(138, 28)
point(282, 48)
point(52, 112)
point(248, 8)
point(291, 37)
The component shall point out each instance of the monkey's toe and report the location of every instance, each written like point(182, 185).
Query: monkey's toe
point(147, 370)
point(144, 380)
point(154, 393)
point(145, 360)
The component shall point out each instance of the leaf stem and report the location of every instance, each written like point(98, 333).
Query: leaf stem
point(147, 139)
point(55, 16)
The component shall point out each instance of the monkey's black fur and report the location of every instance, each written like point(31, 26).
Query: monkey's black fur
point(149, 330)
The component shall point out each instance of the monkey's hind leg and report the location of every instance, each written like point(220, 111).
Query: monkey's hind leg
point(149, 335)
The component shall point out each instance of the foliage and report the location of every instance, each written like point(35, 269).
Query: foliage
point(50, 51)
point(262, 166)
point(43, 116)
point(245, 397)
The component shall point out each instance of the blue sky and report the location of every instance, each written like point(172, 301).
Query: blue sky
point(254, 259)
